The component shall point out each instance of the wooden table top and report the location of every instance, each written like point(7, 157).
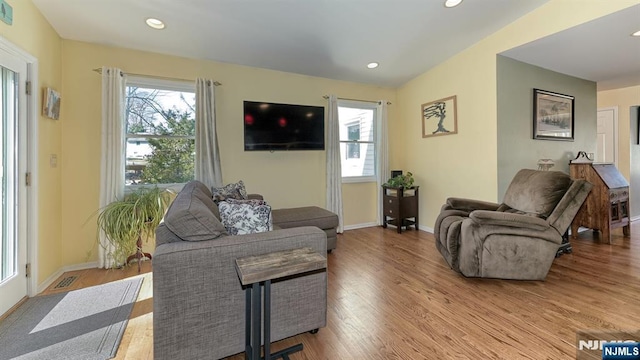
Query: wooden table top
point(252, 269)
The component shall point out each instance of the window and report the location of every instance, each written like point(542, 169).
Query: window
point(353, 149)
point(160, 132)
point(357, 140)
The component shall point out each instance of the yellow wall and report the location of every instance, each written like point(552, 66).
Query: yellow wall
point(286, 179)
point(624, 99)
point(31, 32)
point(465, 164)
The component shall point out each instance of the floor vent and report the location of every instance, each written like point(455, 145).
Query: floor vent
point(66, 282)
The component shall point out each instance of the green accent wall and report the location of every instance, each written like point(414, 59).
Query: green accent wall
point(516, 147)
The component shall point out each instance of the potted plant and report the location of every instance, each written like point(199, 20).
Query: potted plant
point(401, 181)
point(125, 222)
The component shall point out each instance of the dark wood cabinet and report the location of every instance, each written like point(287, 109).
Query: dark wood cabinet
point(607, 206)
point(400, 207)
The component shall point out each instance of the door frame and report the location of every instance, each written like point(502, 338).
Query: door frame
point(615, 131)
point(32, 160)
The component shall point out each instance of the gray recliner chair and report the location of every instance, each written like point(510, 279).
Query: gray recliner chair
point(517, 239)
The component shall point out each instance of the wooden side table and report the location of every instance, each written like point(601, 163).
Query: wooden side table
point(399, 207)
point(261, 269)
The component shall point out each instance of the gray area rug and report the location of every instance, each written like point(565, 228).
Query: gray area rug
point(79, 324)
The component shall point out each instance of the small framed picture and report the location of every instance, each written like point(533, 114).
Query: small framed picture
point(553, 116)
point(439, 117)
point(51, 104)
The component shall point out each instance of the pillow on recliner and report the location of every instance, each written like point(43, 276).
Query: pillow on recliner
point(191, 216)
point(537, 192)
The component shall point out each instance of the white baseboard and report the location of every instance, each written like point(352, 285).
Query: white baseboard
point(636, 218)
point(53, 277)
point(426, 228)
point(359, 226)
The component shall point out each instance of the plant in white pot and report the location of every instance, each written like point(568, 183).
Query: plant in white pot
point(126, 222)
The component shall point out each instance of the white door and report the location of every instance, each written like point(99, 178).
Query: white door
point(607, 143)
point(13, 156)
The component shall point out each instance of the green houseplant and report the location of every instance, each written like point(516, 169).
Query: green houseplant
point(405, 181)
point(125, 222)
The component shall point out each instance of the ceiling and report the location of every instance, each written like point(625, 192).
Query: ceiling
point(601, 50)
point(336, 38)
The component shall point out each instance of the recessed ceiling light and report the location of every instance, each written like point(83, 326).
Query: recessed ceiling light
point(452, 3)
point(372, 65)
point(155, 23)
point(637, 33)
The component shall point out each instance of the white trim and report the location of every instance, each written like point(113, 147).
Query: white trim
point(32, 161)
point(359, 226)
point(45, 284)
point(634, 219)
point(358, 179)
point(426, 228)
point(162, 84)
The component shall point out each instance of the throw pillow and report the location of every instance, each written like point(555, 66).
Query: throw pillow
point(230, 191)
point(191, 216)
point(245, 216)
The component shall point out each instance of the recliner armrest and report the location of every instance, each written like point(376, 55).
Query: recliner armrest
point(470, 204)
point(255, 197)
point(499, 218)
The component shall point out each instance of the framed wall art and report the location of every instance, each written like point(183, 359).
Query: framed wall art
point(553, 116)
point(439, 117)
point(51, 104)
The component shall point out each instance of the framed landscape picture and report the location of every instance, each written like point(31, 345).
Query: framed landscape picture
point(553, 116)
point(51, 104)
point(439, 117)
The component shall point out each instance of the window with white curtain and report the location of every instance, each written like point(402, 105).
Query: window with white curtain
point(357, 121)
point(159, 132)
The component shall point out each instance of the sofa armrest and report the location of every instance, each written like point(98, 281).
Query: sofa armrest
point(255, 197)
point(199, 302)
point(454, 203)
point(499, 218)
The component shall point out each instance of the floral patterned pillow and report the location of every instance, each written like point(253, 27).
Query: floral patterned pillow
point(245, 216)
point(230, 191)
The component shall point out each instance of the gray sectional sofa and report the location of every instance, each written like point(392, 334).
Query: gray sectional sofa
point(198, 302)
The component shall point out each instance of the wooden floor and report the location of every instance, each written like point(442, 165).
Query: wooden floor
point(392, 296)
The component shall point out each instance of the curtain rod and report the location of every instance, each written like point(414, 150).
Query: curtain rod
point(99, 71)
point(369, 101)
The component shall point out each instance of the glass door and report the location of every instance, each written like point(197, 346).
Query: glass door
point(13, 252)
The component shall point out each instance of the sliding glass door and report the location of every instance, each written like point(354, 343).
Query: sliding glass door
point(13, 282)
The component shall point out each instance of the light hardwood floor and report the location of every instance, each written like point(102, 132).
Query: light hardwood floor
point(392, 296)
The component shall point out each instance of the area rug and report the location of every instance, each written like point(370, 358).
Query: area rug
point(79, 324)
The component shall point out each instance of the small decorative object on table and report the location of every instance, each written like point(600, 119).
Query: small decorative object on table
point(545, 164)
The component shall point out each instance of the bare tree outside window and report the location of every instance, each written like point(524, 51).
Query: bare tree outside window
point(160, 132)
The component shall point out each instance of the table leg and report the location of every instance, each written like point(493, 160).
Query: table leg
point(255, 321)
point(247, 324)
point(267, 319)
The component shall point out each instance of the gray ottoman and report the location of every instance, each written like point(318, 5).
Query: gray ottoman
point(308, 216)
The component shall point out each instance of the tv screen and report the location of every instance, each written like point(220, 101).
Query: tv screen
point(270, 126)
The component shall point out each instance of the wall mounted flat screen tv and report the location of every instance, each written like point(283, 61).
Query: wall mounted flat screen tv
point(271, 126)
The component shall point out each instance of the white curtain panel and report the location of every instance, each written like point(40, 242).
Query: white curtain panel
point(383, 152)
point(207, 166)
point(334, 167)
point(111, 160)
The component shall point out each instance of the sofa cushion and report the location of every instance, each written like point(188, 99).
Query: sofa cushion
point(536, 192)
point(192, 215)
point(245, 216)
point(230, 191)
point(305, 216)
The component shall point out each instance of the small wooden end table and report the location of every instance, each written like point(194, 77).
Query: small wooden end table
point(261, 269)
